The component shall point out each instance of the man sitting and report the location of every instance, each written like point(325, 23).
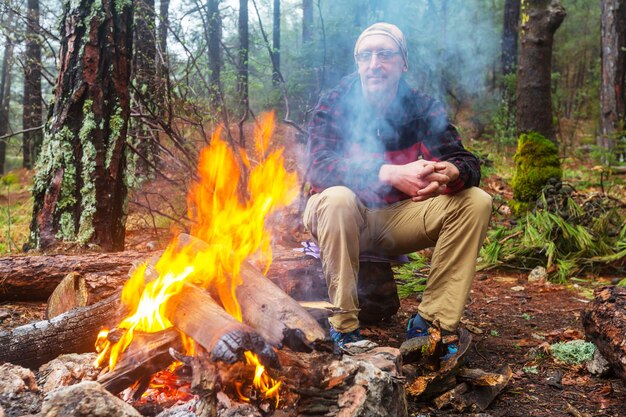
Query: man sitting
point(389, 173)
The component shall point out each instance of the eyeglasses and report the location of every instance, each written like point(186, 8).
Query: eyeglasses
point(383, 56)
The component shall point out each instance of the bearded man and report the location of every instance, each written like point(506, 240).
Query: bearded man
point(389, 174)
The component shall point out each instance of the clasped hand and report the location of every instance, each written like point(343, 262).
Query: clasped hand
point(420, 179)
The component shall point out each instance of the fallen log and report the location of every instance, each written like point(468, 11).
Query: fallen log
point(277, 317)
point(604, 321)
point(76, 331)
point(34, 278)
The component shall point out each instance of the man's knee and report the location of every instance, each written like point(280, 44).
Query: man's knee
point(339, 201)
point(477, 202)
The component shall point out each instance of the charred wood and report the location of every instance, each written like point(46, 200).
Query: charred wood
point(195, 313)
point(277, 317)
point(146, 355)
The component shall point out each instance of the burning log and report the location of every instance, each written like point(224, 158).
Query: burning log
point(34, 278)
point(36, 343)
point(196, 314)
point(277, 317)
point(147, 355)
point(604, 321)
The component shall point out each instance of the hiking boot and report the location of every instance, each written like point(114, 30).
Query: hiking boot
point(340, 339)
point(418, 327)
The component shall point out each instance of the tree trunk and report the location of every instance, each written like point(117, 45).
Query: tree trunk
point(604, 320)
point(613, 100)
point(80, 187)
point(32, 101)
point(5, 86)
point(215, 51)
point(34, 278)
point(162, 62)
point(276, 45)
point(307, 21)
point(509, 36)
point(540, 20)
point(146, 83)
point(242, 73)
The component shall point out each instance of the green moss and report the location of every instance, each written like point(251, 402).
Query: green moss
point(536, 161)
point(88, 163)
point(573, 352)
point(120, 5)
point(116, 124)
point(66, 226)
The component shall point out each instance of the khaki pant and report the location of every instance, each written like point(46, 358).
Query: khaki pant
point(454, 224)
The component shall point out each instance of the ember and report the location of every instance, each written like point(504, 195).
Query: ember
point(232, 222)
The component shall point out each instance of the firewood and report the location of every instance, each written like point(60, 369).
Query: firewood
point(36, 343)
point(424, 382)
point(195, 313)
point(479, 397)
point(604, 321)
point(34, 278)
point(480, 377)
point(445, 399)
point(277, 317)
point(146, 355)
point(70, 293)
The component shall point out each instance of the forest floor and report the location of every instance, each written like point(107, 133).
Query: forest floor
point(518, 320)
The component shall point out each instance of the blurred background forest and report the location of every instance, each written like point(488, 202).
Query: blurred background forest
point(144, 84)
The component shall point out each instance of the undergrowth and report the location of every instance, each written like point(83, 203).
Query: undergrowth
point(411, 277)
point(567, 232)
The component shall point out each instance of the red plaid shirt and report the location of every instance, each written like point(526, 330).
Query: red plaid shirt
point(349, 142)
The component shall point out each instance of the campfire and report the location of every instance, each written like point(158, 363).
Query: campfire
point(229, 214)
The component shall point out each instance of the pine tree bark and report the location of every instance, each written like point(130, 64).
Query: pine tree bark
point(244, 46)
point(509, 36)
point(540, 20)
point(162, 61)
point(80, 186)
point(215, 51)
point(32, 101)
point(307, 21)
point(276, 45)
point(146, 84)
point(612, 93)
point(5, 86)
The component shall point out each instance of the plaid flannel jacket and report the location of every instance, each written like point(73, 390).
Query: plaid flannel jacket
point(349, 142)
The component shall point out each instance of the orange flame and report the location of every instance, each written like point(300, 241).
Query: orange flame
point(234, 227)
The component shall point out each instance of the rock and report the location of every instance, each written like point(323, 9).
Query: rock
point(378, 388)
point(517, 288)
point(19, 393)
point(67, 370)
point(240, 410)
point(4, 314)
point(598, 366)
point(87, 398)
point(539, 274)
point(362, 346)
